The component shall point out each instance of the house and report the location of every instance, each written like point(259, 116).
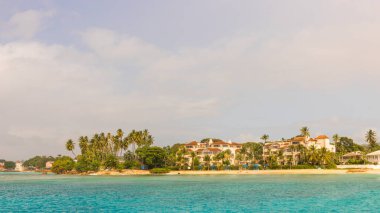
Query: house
point(374, 157)
point(212, 148)
point(290, 148)
point(19, 167)
point(49, 164)
point(357, 155)
point(1, 166)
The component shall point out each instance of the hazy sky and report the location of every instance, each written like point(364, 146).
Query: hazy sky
point(185, 70)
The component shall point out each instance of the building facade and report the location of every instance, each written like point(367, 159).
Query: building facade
point(212, 148)
point(289, 149)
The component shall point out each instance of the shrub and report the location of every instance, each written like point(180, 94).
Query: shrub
point(63, 165)
point(159, 170)
point(111, 162)
point(132, 164)
point(84, 165)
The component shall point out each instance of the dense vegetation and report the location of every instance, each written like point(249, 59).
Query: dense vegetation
point(135, 151)
point(37, 162)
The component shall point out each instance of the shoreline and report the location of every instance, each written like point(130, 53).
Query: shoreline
point(239, 172)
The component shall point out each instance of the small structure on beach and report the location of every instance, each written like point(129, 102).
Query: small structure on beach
point(374, 157)
point(49, 164)
point(19, 167)
point(357, 155)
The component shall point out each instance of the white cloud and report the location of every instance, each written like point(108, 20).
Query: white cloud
point(25, 24)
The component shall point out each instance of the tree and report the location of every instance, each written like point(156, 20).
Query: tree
point(336, 139)
point(313, 156)
point(70, 146)
point(111, 162)
point(265, 137)
point(204, 140)
point(305, 131)
point(63, 165)
point(346, 145)
point(139, 138)
point(207, 159)
point(153, 157)
point(370, 137)
point(38, 162)
point(193, 155)
point(9, 165)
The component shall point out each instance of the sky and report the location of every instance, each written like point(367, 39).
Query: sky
point(185, 70)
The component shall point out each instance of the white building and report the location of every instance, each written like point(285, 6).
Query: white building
point(19, 167)
point(374, 157)
point(212, 148)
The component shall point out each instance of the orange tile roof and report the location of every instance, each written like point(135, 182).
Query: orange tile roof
point(214, 149)
point(298, 138)
point(322, 137)
point(220, 143)
point(192, 143)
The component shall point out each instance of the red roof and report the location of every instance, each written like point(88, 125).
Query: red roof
point(298, 138)
point(322, 137)
point(213, 149)
point(220, 143)
point(192, 143)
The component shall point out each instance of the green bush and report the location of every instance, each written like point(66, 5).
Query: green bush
point(111, 162)
point(159, 170)
point(63, 165)
point(132, 164)
point(176, 168)
point(9, 165)
point(84, 165)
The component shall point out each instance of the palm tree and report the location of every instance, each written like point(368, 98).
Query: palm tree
point(207, 159)
point(193, 155)
point(336, 138)
point(265, 137)
point(324, 157)
point(370, 137)
point(305, 131)
point(313, 155)
point(70, 146)
point(281, 156)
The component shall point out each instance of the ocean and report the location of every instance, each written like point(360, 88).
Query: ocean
point(31, 192)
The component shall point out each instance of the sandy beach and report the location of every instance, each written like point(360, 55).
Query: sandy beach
point(246, 172)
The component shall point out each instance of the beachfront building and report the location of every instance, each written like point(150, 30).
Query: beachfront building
point(357, 155)
point(289, 149)
point(19, 167)
point(49, 164)
point(212, 148)
point(2, 166)
point(374, 157)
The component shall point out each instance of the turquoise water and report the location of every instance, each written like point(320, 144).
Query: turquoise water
point(229, 193)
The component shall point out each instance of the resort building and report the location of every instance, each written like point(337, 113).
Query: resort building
point(19, 167)
point(290, 148)
point(212, 148)
point(357, 155)
point(49, 164)
point(374, 157)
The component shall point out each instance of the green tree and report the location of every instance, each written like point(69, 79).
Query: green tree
point(70, 146)
point(153, 157)
point(370, 137)
point(9, 165)
point(193, 155)
point(63, 165)
point(305, 131)
point(38, 162)
point(265, 137)
point(207, 159)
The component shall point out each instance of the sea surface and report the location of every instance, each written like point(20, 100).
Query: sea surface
point(31, 192)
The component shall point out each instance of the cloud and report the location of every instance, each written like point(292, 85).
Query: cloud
point(242, 85)
point(25, 24)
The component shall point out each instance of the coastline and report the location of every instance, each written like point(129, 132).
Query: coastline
point(241, 172)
